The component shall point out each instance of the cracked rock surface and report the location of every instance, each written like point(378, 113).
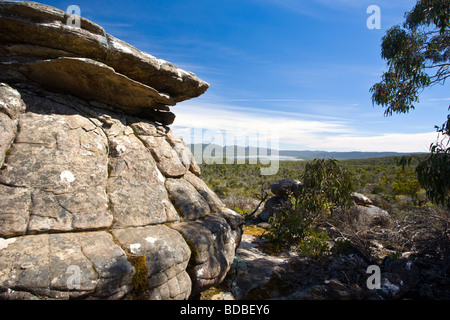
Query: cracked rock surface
point(99, 199)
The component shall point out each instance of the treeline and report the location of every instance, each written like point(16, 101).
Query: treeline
point(374, 175)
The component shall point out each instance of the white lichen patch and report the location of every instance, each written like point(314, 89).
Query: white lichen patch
point(149, 55)
point(134, 247)
point(4, 243)
point(160, 175)
point(200, 273)
point(160, 62)
point(183, 73)
point(67, 176)
point(120, 149)
point(151, 240)
point(121, 47)
point(86, 153)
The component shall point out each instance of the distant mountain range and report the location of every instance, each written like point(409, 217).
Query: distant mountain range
point(310, 155)
point(214, 150)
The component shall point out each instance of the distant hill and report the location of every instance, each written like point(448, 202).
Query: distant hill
point(311, 155)
point(213, 150)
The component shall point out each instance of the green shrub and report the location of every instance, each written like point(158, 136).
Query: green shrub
point(379, 189)
point(288, 226)
point(314, 244)
point(325, 185)
point(406, 184)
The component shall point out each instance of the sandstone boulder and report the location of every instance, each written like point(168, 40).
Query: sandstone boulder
point(99, 199)
point(92, 80)
point(213, 241)
point(166, 257)
point(64, 266)
point(29, 25)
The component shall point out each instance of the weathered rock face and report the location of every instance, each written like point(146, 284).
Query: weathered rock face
point(33, 31)
point(98, 197)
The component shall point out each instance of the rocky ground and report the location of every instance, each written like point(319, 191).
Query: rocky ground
point(410, 251)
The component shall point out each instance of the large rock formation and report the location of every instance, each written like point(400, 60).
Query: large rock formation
point(98, 197)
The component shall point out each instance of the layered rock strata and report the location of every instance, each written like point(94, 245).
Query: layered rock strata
point(99, 199)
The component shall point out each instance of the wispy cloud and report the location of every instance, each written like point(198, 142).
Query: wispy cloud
point(395, 142)
point(294, 131)
point(441, 99)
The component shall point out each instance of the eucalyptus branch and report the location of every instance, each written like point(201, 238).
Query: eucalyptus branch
point(443, 65)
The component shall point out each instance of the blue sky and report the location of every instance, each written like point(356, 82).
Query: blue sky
point(300, 70)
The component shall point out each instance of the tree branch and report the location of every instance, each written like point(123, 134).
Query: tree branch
point(438, 66)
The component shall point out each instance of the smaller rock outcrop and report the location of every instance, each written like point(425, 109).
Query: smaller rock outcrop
point(360, 199)
point(254, 273)
point(368, 215)
point(371, 216)
point(286, 187)
point(283, 190)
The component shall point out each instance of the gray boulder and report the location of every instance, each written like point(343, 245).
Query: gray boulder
point(254, 273)
point(282, 189)
point(286, 187)
point(79, 77)
point(371, 216)
point(166, 257)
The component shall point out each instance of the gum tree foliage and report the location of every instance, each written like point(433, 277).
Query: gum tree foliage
point(326, 186)
point(418, 56)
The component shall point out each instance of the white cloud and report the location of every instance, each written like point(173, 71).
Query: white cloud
point(230, 124)
point(440, 99)
point(395, 142)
